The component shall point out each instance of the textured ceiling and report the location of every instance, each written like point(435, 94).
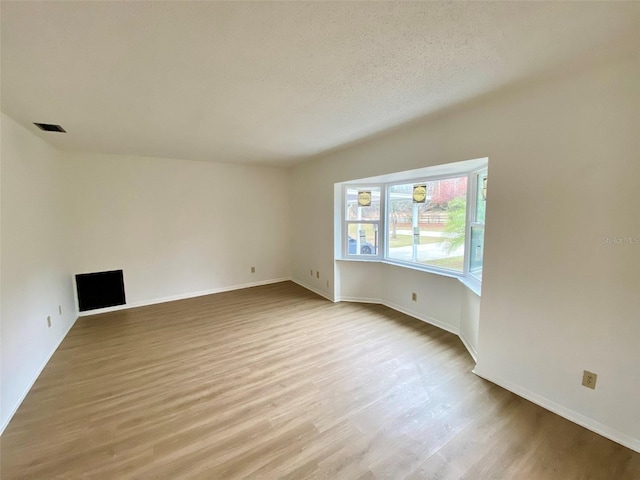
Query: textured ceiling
point(275, 83)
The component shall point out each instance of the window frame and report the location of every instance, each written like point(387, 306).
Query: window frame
point(346, 222)
point(383, 223)
point(417, 181)
point(472, 222)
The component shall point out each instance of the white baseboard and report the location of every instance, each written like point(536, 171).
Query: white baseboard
point(412, 313)
point(470, 348)
point(423, 317)
point(183, 296)
point(34, 378)
point(313, 289)
point(575, 417)
point(359, 300)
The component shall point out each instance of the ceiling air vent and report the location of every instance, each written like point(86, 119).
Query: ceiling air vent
point(48, 127)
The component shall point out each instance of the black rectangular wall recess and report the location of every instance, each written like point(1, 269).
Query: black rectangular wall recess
point(100, 290)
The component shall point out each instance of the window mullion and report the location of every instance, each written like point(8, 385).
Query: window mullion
point(471, 196)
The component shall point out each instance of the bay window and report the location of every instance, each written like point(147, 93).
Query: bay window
point(430, 219)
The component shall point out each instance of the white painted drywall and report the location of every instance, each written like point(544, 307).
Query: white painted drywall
point(470, 320)
point(564, 172)
point(176, 227)
point(36, 278)
point(438, 297)
point(360, 281)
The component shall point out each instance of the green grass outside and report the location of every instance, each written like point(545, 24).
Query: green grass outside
point(369, 233)
point(400, 240)
point(455, 263)
point(407, 240)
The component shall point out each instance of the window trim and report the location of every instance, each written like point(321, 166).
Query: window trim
point(384, 183)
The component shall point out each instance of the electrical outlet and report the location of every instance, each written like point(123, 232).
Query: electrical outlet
point(311, 272)
point(414, 296)
point(49, 321)
point(60, 309)
point(589, 379)
point(317, 274)
point(253, 269)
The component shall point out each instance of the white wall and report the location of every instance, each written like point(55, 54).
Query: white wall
point(470, 320)
point(438, 298)
point(36, 278)
point(564, 172)
point(177, 228)
point(360, 281)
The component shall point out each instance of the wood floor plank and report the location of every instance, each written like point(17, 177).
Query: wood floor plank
point(275, 382)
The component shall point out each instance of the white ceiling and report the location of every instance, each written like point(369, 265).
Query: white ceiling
point(275, 83)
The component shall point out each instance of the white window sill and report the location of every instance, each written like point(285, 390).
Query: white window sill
point(472, 284)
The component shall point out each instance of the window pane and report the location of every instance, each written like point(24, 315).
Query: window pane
point(430, 233)
point(481, 202)
point(362, 239)
point(357, 212)
point(477, 249)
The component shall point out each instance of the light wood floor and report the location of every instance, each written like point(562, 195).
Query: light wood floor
point(275, 382)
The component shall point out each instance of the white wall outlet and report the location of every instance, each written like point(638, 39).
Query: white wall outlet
point(49, 321)
point(414, 296)
point(253, 269)
point(60, 309)
point(317, 274)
